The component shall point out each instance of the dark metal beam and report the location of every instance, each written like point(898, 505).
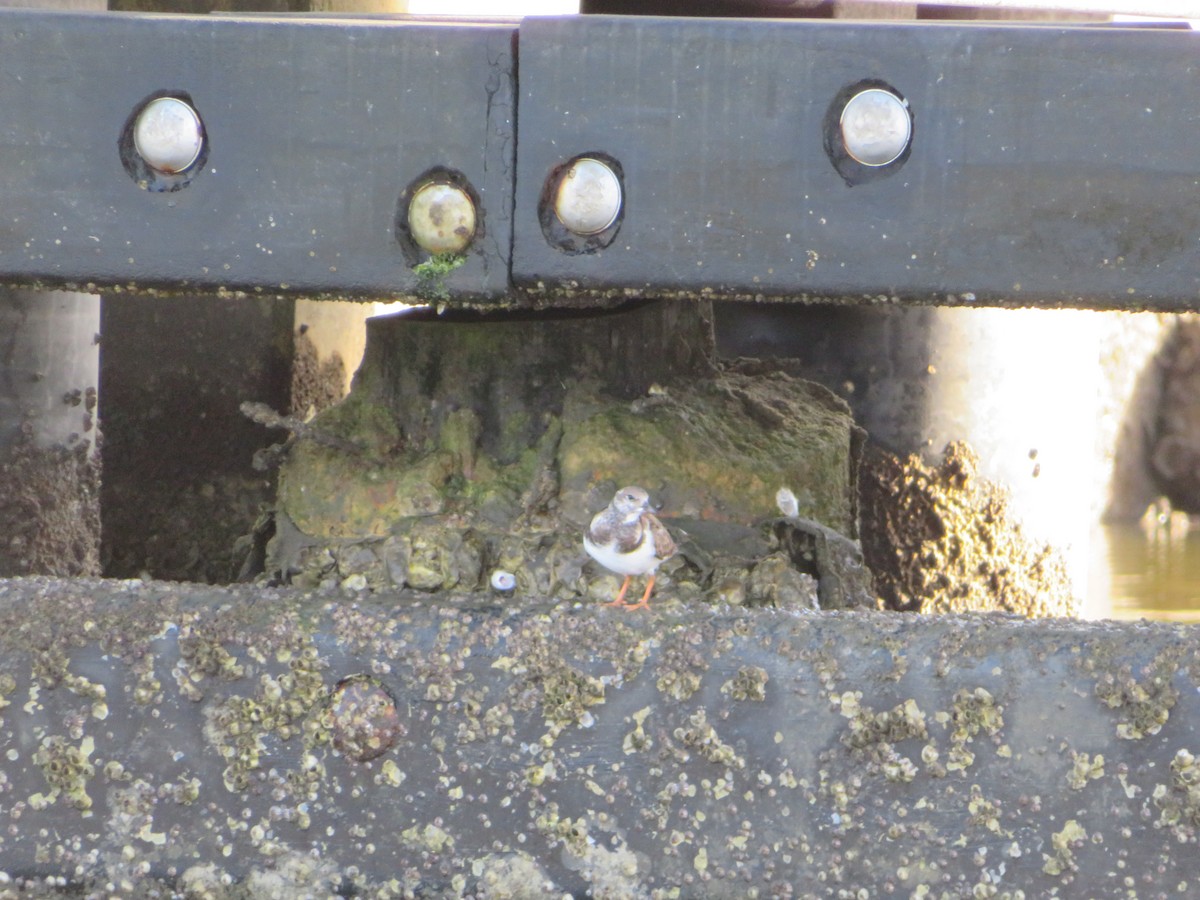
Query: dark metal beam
point(1048, 165)
point(315, 128)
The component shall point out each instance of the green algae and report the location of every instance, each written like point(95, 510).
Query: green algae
point(431, 275)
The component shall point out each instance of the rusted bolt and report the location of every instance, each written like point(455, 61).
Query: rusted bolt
point(366, 723)
point(441, 218)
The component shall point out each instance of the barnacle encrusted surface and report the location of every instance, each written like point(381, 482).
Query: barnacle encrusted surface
point(942, 538)
point(230, 743)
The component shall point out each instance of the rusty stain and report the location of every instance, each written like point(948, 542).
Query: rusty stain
point(366, 723)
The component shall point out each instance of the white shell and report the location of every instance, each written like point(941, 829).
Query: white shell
point(788, 504)
point(503, 581)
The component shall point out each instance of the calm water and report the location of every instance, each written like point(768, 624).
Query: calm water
point(1147, 571)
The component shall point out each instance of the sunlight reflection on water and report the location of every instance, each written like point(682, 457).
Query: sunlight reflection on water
point(1150, 570)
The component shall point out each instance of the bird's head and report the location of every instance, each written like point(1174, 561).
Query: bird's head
point(631, 502)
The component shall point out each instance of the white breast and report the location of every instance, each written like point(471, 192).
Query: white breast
point(639, 562)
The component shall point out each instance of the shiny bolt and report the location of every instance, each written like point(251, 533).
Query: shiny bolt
point(589, 197)
point(876, 127)
point(441, 218)
point(168, 135)
point(366, 723)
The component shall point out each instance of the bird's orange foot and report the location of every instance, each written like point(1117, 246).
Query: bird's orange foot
point(644, 603)
point(620, 601)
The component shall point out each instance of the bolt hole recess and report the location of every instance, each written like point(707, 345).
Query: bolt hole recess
point(145, 175)
point(557, 234)
point(414, 253)
point(853, 170)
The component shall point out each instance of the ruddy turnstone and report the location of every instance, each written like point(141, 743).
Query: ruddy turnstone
point(628, 539)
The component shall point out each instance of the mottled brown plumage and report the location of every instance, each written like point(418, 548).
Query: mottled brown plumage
point(630, 540)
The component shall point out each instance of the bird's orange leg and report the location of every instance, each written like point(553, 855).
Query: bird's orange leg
point(620, 601)
point(644, 603)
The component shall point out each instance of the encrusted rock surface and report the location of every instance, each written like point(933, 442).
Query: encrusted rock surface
point(475, 444)
point(172, 740)
point(943, 539)
point(49, 509)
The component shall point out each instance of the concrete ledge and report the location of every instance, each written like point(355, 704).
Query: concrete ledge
point(247, 742)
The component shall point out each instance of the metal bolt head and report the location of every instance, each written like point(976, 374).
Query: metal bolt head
point(876, 127)
point(168, 135)
point(441, 218)
point(589, 197)
point(366, 722)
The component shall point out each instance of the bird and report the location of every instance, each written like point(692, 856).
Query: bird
point(789, 506)
point(628, 539)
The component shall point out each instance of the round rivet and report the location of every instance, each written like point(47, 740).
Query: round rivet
point(441, 218)
point(366, 723)
point(168, 135)
point(876, 127)
point(589, 197)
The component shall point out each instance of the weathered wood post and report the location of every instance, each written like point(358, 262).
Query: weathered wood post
point(49, 454)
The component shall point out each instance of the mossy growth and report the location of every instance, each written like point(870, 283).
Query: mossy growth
point(713, 448)
point(416, 482)
point(330, 492)
point(718, 448)
point(361, 421)
point(431, 275)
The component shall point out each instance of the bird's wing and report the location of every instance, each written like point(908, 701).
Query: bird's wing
point(664, 544)
point(603, 530)
point(629, 537)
